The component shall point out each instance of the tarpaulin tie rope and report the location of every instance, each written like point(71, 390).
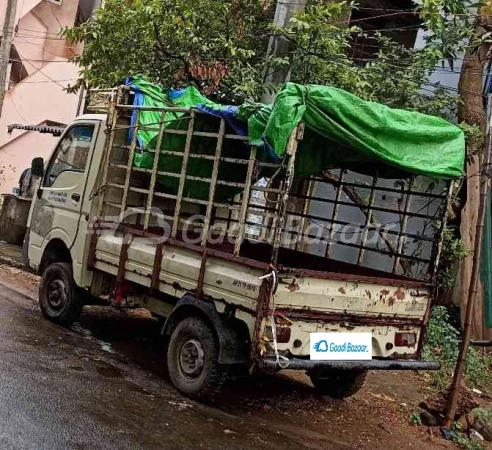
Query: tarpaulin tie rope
point(281, 360)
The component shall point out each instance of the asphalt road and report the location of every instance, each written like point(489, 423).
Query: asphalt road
point(83, 389)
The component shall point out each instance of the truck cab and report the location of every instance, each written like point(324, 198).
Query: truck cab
point(59, 216)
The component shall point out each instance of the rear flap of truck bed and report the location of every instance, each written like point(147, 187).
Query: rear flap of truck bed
point(317, 298)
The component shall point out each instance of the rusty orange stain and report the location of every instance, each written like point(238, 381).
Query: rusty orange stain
point(385, 292)
point(391, 301)
point(399, 293)
point(341, 289)
point(293, 287)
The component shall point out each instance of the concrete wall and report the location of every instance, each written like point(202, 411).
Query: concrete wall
point(13, 219)
point(40, 96)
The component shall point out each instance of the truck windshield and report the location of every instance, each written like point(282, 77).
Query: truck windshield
point(72, 152)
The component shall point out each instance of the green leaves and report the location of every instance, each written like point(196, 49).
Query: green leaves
point(442, 344)
point(177, 43)
point(220, 46)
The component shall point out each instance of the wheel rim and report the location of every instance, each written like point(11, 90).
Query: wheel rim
point(191, 359)
point(57, 295)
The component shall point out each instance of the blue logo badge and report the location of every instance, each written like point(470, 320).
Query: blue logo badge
point(321, 346)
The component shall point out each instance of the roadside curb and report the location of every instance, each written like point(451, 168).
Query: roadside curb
point(11, 262)
point(22, 292)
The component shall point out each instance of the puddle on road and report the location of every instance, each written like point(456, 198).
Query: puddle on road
point(109, 372)
point(135, 335)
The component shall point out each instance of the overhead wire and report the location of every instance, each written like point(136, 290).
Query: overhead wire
point(46, 75)
point(392, 11)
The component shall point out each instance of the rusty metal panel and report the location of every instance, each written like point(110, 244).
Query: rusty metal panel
point(352, 298)
point(310, 304)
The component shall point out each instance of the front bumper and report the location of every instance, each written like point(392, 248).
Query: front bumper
point(374, 364)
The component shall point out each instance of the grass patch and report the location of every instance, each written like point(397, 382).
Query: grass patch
point(442, 345)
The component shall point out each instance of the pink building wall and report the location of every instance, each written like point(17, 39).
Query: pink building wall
point(40, 96)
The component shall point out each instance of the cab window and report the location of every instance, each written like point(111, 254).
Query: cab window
point(72, 152)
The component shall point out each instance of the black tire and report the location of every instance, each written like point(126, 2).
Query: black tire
point(338, 383)
point(192, 359)
point(58, 295)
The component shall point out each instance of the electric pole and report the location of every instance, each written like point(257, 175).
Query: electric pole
point(279, 45)
point(5, 46)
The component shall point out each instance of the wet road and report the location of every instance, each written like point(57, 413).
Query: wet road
point(74, 389)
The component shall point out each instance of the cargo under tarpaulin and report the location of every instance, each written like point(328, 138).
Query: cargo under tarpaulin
point(341, 129)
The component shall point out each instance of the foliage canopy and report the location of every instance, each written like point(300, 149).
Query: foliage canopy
point(220, 46)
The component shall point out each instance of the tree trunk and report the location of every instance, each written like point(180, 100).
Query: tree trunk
point(471, 111)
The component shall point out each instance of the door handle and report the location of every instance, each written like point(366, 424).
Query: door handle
point(76, 197)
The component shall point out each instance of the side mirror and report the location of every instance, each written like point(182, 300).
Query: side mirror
point(37, 167)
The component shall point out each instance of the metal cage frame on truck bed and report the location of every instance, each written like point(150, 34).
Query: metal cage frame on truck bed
point(259, 233)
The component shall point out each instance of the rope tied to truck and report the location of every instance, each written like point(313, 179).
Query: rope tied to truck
point(282, 361)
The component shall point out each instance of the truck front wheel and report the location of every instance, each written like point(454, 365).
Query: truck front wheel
point(338, 383)
point(192, 359)
point(58, 297)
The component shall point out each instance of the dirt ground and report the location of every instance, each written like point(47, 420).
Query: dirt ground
point(378, 417)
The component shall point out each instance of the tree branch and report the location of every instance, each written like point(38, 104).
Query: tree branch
point(355, 197)
point(186, 64)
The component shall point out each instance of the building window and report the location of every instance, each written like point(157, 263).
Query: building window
point(17, 70)
point(382, 16)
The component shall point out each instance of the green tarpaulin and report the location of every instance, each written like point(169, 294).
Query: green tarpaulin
point(340, 129)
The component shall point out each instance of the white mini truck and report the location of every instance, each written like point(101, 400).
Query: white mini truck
point(240, 273)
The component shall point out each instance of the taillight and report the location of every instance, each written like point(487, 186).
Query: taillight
point(405, 339)
point(283, 334)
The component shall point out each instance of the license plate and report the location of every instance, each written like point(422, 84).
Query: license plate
point(341, 346)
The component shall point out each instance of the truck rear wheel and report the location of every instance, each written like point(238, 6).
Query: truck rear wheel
point(192, 359)
point(58, 297)
point(338, 383)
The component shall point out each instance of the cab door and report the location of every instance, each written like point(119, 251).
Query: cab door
point(60, 198)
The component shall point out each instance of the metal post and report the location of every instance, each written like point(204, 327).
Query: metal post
point(213, 182)
point(289, 176)
point(182, 178)
point(5, 46)
point(245, 202)
point(403, 228)
point(279, 45)
point(369, 215)
point(131, 153)
point(153, 177)
point(444, 221)
point(334, 215)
